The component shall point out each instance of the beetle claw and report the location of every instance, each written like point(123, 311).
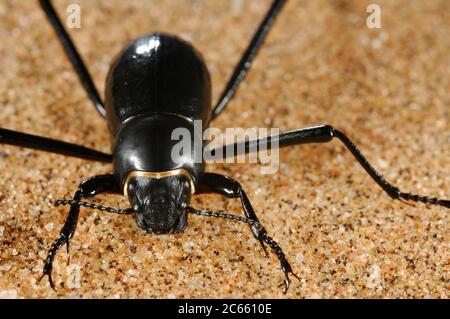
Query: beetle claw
point(50, 280)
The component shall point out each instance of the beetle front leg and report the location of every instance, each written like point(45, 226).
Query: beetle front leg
point(88, 188)
point(226, 186)
point(278, 251)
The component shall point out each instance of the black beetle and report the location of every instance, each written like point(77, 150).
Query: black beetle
point(157, 84)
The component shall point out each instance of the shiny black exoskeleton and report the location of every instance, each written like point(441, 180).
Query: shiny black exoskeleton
point(157, 85)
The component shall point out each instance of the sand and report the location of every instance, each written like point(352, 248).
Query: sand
point(387, 88)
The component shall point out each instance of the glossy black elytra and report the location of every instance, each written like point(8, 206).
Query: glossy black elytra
point(159, 83)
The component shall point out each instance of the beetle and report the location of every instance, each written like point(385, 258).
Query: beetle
point(157, 84)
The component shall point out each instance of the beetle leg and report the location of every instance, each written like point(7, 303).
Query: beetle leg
point(322, 134)
point(262, 234)
point(88, 188)
point(73, 56)
point(50, 145)
point(241, 69)
point(278, 251)
point(224, 185)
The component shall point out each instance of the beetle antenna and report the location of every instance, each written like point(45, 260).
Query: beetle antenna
point(66, 202)
point(219, 214)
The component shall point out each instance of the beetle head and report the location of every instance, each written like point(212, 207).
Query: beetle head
point(160, 205)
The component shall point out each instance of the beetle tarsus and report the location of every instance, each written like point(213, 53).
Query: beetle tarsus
point(68, 252)
point(48, 266)
point(87, 188)
point(50, 280)
point(278, 251)
point(264, 248)
point(47, 271)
